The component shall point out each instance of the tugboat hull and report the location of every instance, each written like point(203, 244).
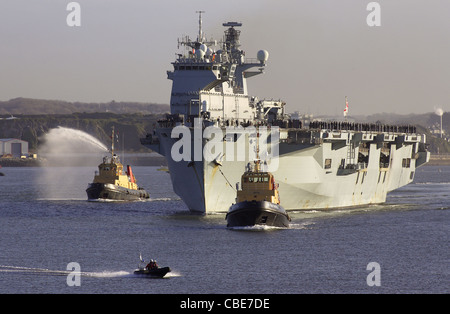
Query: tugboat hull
point(250, 213)
point(96, 191)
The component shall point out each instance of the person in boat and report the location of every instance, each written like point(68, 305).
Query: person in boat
point(152, 265)
point(149, 265)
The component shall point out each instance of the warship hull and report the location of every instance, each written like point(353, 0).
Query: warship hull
point(105, 191)
point(320, 164)
point(251, 213)
point(317, 170)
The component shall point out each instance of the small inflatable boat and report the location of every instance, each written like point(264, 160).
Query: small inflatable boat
point(158, 272)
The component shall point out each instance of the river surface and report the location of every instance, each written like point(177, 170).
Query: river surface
point(47, 223)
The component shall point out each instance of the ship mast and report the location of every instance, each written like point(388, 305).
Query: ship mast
point(257, 161)
point(200, 33)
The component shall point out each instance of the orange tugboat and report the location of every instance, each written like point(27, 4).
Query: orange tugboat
point(112, 183)
point(258, 202)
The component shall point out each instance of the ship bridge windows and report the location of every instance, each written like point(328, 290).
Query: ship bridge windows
point(193, 67)
point(256, 179)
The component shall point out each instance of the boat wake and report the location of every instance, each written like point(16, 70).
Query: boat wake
point(432, 183)
point(58, 199)
point(105, 200)
point(157, 199)
point(292, 226)
point(101, 274)
point(300, 226)
point(44, 271)
point(106, 274)
point(19, 269)
point(173, 274)
point(162, 199)
point(257, 228)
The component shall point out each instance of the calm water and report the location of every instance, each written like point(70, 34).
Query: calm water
point(46, 223)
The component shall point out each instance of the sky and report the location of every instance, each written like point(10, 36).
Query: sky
point(319, 51)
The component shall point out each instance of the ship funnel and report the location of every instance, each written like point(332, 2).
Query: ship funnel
point(263, 56)
point(130, 174)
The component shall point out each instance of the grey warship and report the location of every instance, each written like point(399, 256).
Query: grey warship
point(321, 165)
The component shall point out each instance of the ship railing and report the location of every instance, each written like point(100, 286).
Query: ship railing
point(252, 61)
point(313, 141)
point(362, 127)
point(191, 59)
point(238, 90)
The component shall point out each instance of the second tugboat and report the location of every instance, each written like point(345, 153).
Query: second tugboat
point(258, 202)
point(111, 183)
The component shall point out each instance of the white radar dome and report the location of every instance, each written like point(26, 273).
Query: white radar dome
point(263, 56)
point(209, 52)
point(199, 54)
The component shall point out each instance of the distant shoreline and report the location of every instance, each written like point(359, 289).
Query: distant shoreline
point(145, 160)
point(87, 161)
point(439, 160)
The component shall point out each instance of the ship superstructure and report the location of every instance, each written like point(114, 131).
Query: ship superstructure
point(321, 165)
point(212, 84)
